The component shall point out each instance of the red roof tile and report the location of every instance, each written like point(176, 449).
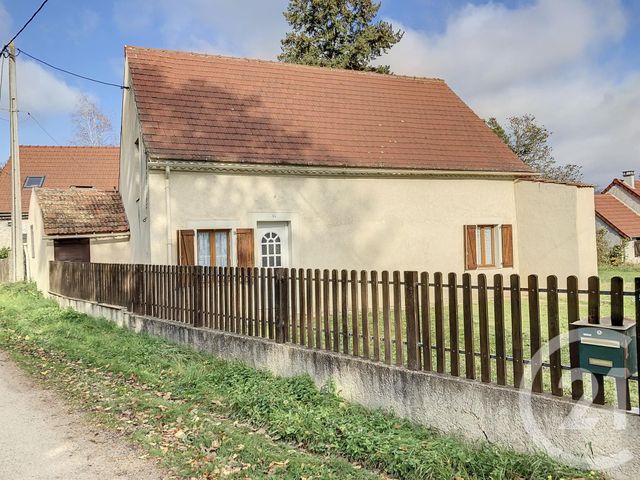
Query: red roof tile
point(78, 211)
point(622, 184)
point(209, 108)
point(620, 217)
point(62, 167)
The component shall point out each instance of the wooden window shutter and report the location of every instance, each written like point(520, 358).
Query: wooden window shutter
point(507, 245)
point(636, 248)
point(186, 247)
point(245, 247)
point(470, 253)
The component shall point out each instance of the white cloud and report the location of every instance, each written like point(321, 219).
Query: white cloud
point(40, 91)
point(539, 59)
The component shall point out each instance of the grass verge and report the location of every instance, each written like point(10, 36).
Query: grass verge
point(208, 418)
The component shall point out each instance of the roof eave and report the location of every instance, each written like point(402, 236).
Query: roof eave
point(157, 162)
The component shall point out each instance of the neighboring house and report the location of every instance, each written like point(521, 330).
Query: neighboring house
point(228, 161)
point(618, 212)
point(56, 167)
point(75, 224)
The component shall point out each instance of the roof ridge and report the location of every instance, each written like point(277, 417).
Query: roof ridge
point(286, 65)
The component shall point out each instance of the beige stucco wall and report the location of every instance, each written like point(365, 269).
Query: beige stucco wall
point(39, 250)
point(556, 230)
point(5, 231)
point(133, 179)
point(339, 222)
point(385, 223)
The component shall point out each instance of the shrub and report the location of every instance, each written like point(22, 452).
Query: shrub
point(610, 255)
point(603, 247)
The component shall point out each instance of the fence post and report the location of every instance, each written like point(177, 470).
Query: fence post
point(597, 380)
point(197, 297)
point(410, 299)
point(617, 319)
point(281, 297)
point(636, 305)
point(573, 315)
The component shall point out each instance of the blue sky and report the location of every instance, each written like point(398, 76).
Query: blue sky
point(575, 64)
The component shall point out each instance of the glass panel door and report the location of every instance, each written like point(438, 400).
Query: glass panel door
point(222, 248)
point(204, 249)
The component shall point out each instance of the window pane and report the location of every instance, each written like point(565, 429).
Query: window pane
point(204, 249)
point(31, 182)
point(271, 251)
point(222, 249)
point(264, 262)
point(271, 262)
point(488, 245)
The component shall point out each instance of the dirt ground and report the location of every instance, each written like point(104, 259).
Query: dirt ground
point(41, 439)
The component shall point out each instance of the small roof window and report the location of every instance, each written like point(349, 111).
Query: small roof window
point(31, 182)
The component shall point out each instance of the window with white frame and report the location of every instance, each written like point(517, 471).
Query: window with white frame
point(271, 245)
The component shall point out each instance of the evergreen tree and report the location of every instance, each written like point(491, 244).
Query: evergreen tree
point(337, 33)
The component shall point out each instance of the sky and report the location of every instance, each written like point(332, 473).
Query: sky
point(574, 64)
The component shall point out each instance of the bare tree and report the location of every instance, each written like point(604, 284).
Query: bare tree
point(91, 126)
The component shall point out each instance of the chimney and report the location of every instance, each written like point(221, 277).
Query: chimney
point(629, 177)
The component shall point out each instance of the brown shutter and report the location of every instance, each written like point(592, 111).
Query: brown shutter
point(245, 247)
point(507, 246)
point(186, 253)
point(636, 248)
point(471, 262)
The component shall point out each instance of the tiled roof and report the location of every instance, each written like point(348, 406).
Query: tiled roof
point(62, 167)
point(622, 184)
point(200, 107)
point(78, 211)
point(620, 217)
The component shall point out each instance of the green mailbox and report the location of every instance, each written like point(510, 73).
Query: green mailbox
point(608, 349)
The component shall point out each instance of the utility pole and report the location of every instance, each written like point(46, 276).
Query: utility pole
point(17, 253)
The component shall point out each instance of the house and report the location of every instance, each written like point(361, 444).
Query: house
point(55, 167)
point(618, 213)
point(75, 224)
point(230, 161)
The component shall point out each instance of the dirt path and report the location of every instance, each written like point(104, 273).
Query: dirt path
point(41, 439)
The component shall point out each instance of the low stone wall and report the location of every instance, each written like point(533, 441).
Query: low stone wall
point(587, 436)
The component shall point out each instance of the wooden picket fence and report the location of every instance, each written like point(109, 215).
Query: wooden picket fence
point(412, 320)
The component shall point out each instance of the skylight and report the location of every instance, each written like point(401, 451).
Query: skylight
point(31, 182)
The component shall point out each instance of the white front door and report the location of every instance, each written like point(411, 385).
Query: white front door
point(273, 244)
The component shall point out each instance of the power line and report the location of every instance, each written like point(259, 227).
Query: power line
point(30, 115)
point(72, 73)
point(4, 49)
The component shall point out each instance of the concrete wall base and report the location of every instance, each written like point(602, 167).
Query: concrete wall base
point(580, 434)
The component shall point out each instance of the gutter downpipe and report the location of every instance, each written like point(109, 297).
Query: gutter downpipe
point(167, 194)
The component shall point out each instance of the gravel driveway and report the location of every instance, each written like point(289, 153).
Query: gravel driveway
point(41, 439)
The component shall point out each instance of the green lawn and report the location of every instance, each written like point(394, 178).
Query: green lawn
point(626, 272)
point(207, 418)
